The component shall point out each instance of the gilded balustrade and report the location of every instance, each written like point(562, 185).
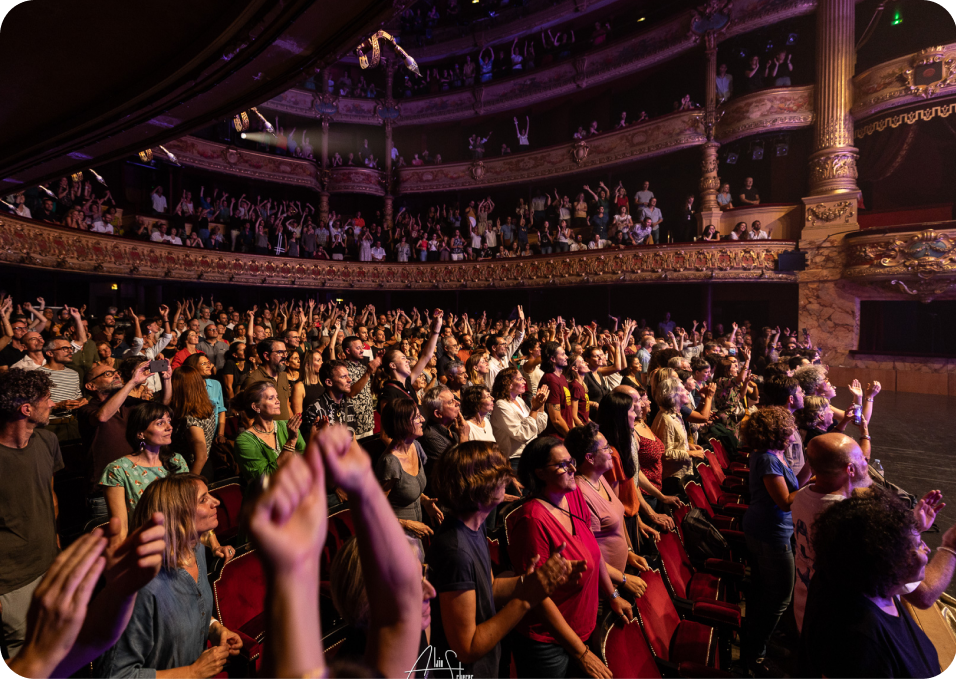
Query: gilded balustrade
point(27, 243)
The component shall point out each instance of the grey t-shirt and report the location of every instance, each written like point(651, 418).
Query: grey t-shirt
point(27, 520)
point(404, 496)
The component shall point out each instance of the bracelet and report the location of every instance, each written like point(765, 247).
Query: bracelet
point(584, 653)
point(624, 578)
point(615, 594)
point(869, 400)
point(865, 437)
point(947, 549)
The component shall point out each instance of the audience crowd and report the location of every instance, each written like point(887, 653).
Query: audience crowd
point(576, 446)
point(595, 218)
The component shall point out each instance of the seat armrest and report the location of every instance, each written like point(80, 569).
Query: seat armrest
point(722, 567)
point(733, 509)
point(716, 613)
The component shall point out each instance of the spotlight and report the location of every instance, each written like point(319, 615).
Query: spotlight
point(147, 155)
point(641, 19)
point(48, 191)
point(114, 286)
point(757, 152)
point(770, 45)
point(742, 53)
point(98, 177)
point(242, 135)
point(792, 39)
point(898, 17)
point(171, 157)
point(732, 158)
point(7, 205)
point(77, 177)
point(781, 149)
point(269, 128)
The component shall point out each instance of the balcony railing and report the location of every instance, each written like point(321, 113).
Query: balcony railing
point(24, 242)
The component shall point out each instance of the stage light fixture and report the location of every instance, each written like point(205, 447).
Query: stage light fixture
point(146, 156)
point(170, 156)
point(98, 177)
point(242, 135)
point(757, 152)
point(898, 18)
point(7, 205)
point(641, 19)
point(241, 122)
point(77, 177)
point(269, 128)
point(48, 192)
point(792, 39)
point(732, 158)
point(781, 149)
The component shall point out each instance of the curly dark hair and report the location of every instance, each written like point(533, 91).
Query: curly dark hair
point(502, 388)
point(468, 474)
point(865, 543)
point(21, 386)
point(768, 428)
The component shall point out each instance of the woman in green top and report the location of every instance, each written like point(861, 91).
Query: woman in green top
point(269, 441)
point(149, 431)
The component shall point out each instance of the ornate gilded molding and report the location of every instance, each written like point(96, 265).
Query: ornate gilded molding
point(828, 213)
point(925, 75)
point(27, 243)
point(908, 117)
point(661, 135)
point(918, 263)
point(612, 61)
point(784, 108)
point(210, 155)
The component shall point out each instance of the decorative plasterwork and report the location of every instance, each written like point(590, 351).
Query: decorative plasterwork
point(928, 74)
point(908, 118)
point(783, 108)
point(919, 263)
point(26, 243)
point(661, 135)
point(210, 155)
point(615, 60)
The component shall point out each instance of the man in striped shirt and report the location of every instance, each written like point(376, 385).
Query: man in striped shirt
point(65, 392)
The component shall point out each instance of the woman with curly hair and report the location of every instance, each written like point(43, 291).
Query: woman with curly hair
point(867, 549)
point(767, 526)
point(514, 424)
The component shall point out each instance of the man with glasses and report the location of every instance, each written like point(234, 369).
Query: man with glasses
point(214, 348)
point(272, 356)
point(15, 348)
point(65, 392)
point(102, 421)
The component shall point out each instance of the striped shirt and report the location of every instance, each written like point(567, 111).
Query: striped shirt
point(66, 384)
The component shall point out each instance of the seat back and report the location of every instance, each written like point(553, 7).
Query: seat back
point(341, 528)
point(230, 496)
point(657, 615)
point(723, 458)
point(676, 564)
point(715, 465)
point(239, 591)
point(678, 515)
point(698, 499)
point(625, 650)
point(712, 489)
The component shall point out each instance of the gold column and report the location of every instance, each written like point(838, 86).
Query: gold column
point(390, 67)
point(325, 142)
point(710, 182)
point(832, 204)
point(324, 207)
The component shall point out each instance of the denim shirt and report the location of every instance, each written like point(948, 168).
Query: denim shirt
point(169, 625)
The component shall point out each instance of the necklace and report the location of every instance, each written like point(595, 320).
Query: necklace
point(597, 489)
point(263, 431)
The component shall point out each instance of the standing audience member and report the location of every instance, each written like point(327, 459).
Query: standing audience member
point(270, 441)
point(29, 457)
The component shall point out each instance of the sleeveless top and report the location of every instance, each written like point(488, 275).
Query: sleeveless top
point(313, 393)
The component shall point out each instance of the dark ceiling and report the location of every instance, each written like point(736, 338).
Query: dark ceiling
point(88, 82)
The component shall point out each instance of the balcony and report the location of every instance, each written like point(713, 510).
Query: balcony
point(24, 242)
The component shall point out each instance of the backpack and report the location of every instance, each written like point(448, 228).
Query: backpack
point(702, 539)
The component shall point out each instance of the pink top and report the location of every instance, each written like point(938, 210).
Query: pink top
point(532, 530)
point(607, 522)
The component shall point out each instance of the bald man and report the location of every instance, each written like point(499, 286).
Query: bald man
point(840, 468)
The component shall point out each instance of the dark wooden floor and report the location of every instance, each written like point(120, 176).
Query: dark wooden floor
point(913, 435)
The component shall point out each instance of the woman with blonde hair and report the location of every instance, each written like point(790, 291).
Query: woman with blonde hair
point(670, 428)
point(194, 419)
point(309, 388)
point(172, 618)
point(476, 369)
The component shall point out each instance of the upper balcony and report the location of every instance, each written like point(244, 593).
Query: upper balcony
point(607, 63)
point(913, 79)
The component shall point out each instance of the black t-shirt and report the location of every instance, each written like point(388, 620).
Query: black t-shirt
point(460, 562)
point(27, 522)
point(749, 194)
point(847, 635)
point(10, 354)
point(239, 376)
point(393, 390)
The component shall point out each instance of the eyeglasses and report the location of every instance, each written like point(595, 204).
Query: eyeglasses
point(66, 348)
point(568, 465)
point(106, 373)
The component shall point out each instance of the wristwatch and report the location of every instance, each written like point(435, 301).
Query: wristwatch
point(624, 579)
point(615, 595)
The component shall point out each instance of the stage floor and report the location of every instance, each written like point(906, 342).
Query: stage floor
point(913, 435)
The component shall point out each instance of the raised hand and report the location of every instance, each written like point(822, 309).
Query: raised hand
point(927, 509)
point(873, 389)
point(540, 398)
point(293, 424)
point(133, 563)
point(856, 391)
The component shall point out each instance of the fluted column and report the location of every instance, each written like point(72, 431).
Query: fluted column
point(390, 67)
point(710, 211)
point(833, 163)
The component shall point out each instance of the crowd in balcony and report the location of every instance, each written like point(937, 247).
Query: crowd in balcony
point(411, 438)
point(551, 223)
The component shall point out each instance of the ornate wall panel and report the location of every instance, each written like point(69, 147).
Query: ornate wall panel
point(903, 264)
point(657, 136)
point(928, 74)
point(784, 108)
point(616, 60)
point(27, 243)
point(210, 155)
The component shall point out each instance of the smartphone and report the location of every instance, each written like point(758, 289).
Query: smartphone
point(805, 332)
point(160, 365)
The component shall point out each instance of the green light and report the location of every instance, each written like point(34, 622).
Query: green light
point(898, 18)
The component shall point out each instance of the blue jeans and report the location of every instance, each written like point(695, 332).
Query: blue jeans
point(656, 235)
point(539, 659)
point(772, 581)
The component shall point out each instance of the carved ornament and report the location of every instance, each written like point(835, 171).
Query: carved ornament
point(927, 74)
point(59, 248)
point(477, 170)
point(579, 151)
point(837, 165)
point(828, 213)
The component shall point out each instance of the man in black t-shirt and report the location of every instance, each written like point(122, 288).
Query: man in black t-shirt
point(747, 195)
